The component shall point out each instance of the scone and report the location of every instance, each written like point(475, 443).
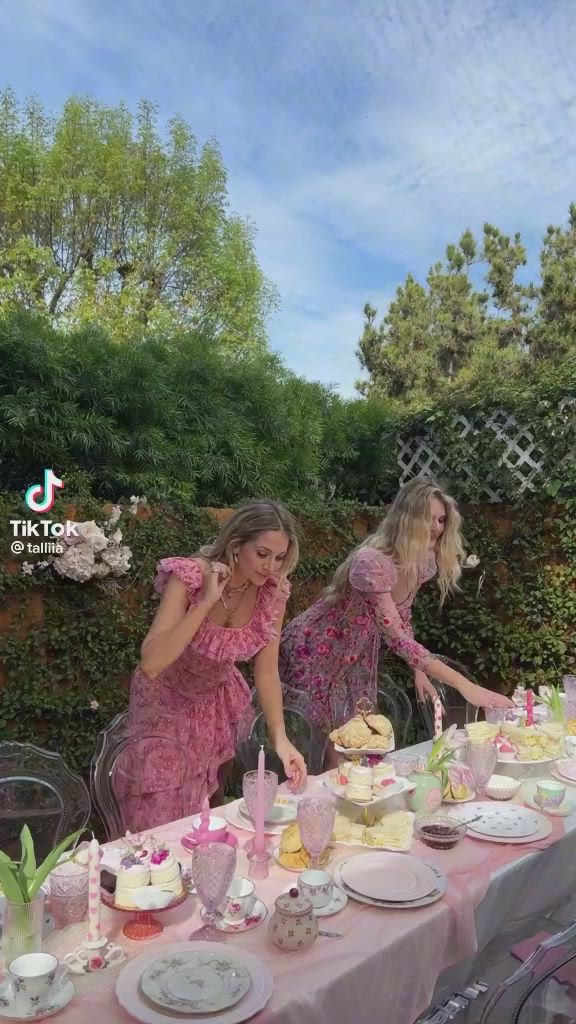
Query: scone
point(290, 841)
point(380, 724)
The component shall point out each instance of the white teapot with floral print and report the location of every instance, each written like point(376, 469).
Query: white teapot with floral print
point(293, 925)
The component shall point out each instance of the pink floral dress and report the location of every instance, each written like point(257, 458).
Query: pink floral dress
point(197, 700)
point(331, 651)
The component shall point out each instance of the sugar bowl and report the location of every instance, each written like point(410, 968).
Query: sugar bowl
point(293, 925)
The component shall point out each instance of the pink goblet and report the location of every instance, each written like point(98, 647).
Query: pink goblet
point(316, 823)
point(249, 791)
point(213, 868)
point(481, 759)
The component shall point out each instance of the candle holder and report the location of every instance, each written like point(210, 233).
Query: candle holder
point(258, 861)
point(143, 925)
point(92, 957)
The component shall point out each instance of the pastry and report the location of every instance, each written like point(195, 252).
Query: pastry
point(290, 841)
point(165, 871)
point(395, 830)
point(346, 831)
point(132, 874)
point(292, 854)
point(380, 724)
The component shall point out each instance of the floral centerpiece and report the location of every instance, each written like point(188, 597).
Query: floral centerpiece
point(456, 777)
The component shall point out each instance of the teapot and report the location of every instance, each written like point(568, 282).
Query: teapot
point(293, 925)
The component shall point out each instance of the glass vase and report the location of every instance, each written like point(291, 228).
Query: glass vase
point(22, 927)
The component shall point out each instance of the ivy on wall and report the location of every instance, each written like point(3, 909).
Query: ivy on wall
point(67, 650)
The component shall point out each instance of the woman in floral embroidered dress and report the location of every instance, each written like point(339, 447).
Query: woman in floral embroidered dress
point(332, 648)
point(223, 606)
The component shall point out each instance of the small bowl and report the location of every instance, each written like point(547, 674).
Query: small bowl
point(217, 827)
point(152, 897)
point(502, 787)
point(439, 831)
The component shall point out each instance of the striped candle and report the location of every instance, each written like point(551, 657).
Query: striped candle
point(94, 855)
point(437, 718)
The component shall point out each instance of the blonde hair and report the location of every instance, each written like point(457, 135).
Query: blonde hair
point(253, 517)
point(404, 535)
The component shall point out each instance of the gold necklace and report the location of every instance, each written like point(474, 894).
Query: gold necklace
point(231, 612)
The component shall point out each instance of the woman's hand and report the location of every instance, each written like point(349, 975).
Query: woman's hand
point(425, 690)
point(483, 698)
point(293, 762)
point(216, 576)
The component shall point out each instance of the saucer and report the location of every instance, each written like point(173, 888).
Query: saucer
point(337, 903)
point(567, 806)
point(258, 915)
point(59, 1001)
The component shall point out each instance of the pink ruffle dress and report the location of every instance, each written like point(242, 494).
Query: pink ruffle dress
point(331, 651)
point(198, 700)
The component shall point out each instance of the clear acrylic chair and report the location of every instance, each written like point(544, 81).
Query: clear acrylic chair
point(38, 789)
point(458, 710)
point(536, 992)
point(395, 703)
point(123, 800)
point(252, 733)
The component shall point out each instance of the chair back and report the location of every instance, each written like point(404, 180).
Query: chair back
point(537, 993)
point(38, 789)
point(252, 733)
point(395, 703)
point(141, 774)
point(458, 710)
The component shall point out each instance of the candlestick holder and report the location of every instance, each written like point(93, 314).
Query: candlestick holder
point(258, 861)
point(92, 957)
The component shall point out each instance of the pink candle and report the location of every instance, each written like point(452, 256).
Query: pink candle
point(259, 846)
point(94, 891)
point(529, 707)
point(437, 718)
point(204, 829)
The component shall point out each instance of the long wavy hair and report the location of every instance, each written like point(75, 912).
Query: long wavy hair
point(404, 535)
point(253, 517)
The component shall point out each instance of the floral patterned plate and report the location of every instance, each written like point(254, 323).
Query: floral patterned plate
point(196, 982)
point(59, 1000)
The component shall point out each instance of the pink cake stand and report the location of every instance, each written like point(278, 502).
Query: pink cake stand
point(142, 925)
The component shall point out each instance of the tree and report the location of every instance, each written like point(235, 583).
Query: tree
point(448, 335)
point(103, 222)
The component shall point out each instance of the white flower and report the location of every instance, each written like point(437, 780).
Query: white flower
point(93, 535)
point(116, 537)
point(27, 568)
point(42, 565)
point(101, 570)
point(134, 499)
point(114, 515)
point(77, 563)
point(471, 562)
point(94, 705)
point(118, 558)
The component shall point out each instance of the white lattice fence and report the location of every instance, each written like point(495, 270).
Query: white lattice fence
point(426, 455)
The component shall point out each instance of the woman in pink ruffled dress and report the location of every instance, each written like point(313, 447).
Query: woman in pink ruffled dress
point(331, 651)
point(220, 607)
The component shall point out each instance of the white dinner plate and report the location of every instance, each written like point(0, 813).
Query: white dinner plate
point(283, 812)
point(196, 982)
point(131, 997)
point(389, 877)
point(502, 820)
point(425, 901)
point(542, 833)
point(233, 817)
point(516, 760)
point(566, 767)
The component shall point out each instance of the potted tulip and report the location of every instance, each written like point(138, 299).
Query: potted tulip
point(22, 883)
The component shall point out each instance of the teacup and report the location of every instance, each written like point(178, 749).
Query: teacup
point(317, 886)
point(549, 795)
point(239, 900)
point(33, 981)
point(570, 744)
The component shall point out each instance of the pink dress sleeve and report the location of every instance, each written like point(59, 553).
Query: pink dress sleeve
point(375, 573)
point(271, 606)
point(188, 570)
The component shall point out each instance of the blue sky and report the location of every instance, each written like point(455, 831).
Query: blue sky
point(360, 136)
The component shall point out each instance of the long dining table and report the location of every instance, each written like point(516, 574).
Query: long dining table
point(387, 965)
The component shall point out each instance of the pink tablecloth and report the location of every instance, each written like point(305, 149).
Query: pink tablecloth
point(383, 968)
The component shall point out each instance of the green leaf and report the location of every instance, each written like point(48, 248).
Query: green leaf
point(29, 862)
point(51, 860)
point(10, 885)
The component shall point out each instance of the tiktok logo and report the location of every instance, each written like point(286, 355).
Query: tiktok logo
point(40, 497)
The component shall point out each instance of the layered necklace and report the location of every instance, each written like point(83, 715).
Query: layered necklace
point(232, 609)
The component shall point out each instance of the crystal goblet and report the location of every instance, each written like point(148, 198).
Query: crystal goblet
point(316, 823)
point(481, 759)
point(213, 867)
